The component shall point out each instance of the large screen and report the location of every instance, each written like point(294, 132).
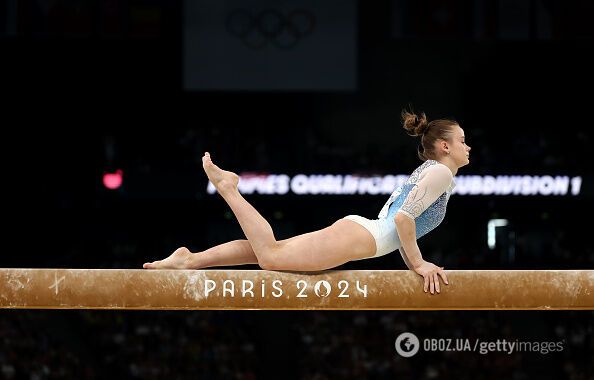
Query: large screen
point(301, 45)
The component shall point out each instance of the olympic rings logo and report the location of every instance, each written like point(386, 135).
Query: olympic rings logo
point(256, 31)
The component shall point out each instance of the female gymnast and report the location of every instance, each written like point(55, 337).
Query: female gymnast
point(412, 210)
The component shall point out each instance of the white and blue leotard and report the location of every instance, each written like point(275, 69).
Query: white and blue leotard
point(423, 197)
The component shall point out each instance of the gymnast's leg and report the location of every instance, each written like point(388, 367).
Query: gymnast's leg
point(345, 240)
point(236, 252)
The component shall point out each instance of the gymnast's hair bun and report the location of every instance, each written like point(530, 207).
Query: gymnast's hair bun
point(414, 125)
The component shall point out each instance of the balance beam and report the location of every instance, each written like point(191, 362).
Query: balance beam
point(139, 289)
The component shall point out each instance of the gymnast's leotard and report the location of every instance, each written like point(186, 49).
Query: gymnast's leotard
point(423, 197)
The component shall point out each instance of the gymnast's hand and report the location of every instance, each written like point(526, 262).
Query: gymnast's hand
point(431, 273)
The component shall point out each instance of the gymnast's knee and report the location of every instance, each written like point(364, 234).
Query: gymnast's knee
point(270, 258)
point(268, 263)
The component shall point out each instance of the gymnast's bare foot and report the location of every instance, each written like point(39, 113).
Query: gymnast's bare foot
point(222, 180)
point(177, 260)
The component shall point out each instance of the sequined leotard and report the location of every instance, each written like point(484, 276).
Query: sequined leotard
point(423, 197)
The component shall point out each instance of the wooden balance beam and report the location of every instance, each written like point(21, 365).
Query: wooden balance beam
point(139, 289)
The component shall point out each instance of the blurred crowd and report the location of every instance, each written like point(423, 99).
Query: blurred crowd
point(304, 345)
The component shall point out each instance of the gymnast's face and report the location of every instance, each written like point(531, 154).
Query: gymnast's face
point(459, 151)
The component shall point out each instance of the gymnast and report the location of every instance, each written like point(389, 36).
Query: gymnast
point(411, 211)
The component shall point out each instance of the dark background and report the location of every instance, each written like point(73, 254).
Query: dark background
point(92, 86)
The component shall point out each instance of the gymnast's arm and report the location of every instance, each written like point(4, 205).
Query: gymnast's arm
point(410, 251)
point(434, 182)
point(405, 258)
point(407, 232)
